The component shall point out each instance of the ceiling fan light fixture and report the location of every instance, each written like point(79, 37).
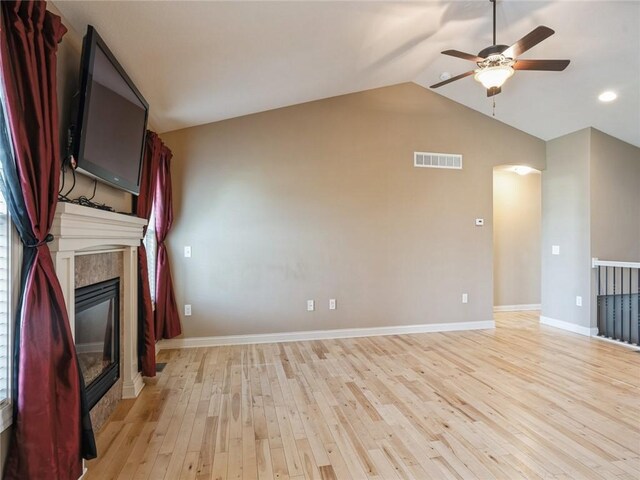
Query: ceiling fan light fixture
point(496, 63)
point(494, 77)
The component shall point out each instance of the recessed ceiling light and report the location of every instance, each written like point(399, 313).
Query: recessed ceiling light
point(607, 96)
point(522, 169)
point(445, 76)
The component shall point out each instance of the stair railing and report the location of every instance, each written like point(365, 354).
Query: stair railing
point(618, 300)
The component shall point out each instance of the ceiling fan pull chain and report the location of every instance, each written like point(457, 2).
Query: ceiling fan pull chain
point(494, 106)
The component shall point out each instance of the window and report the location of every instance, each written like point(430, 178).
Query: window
point(6, 312)
point(5, 280)
point(151, 245)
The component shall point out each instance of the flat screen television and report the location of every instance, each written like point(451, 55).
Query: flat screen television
point(110, 129)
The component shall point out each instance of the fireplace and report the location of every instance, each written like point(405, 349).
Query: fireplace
point(97, 336)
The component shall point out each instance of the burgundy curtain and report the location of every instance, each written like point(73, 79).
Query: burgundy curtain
point(166, 315)
point(143, 206)
point(47, 434)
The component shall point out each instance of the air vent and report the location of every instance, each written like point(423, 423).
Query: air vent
point(437, 160)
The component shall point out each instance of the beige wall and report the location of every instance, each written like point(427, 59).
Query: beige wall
point(615, 198)
point(565, 222)
point(321, 200)
point(516, 237)
point(68, 79)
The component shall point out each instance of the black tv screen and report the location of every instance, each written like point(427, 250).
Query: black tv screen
point(112, 119)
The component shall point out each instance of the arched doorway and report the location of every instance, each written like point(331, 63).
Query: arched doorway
point(517, 215)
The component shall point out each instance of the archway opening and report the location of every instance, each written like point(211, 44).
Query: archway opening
point(517, 219)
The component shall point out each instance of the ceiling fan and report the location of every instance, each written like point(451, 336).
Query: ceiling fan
point(497, 63)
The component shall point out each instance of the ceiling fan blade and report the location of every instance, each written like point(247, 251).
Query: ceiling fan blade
point(493, 91)
point(547, 65)
point(530, 40)
point(453, 79)
point(465, 56)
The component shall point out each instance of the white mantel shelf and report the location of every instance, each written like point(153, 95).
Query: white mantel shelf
point(79, 230)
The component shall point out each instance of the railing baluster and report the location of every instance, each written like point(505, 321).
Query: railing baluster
point(620, 300)
point(606, 300)
point(628, 337)
point(615, 303)
point(620, 304)
point(599, 302)
point(622, 315)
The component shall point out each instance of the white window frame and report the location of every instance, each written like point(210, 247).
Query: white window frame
point(14, 256)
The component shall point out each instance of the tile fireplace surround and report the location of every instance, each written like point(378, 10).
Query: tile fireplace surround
point(79, 230)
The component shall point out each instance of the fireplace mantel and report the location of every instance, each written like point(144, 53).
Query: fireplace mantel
point(79, 230)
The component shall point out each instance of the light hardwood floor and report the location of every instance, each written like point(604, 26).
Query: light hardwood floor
point(521, 401)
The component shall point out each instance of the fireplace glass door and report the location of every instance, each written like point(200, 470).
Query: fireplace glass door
point(97, 336)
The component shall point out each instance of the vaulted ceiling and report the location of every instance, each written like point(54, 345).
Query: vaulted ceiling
point(199, 62)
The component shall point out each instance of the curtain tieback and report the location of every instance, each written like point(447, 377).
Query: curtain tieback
point(47, 239)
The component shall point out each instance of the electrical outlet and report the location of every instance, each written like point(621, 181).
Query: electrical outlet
point(187, 252)
point(332, 304)
point(311, 305)
point(187, 310)
point(579, 301)
point(465, 298)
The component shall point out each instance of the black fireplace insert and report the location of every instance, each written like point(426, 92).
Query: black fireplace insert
point(97, 336)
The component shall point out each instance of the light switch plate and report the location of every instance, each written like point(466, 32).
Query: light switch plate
point(311, 305)
point(332, 304)
point(555, 249)
point(479, 222)
point(187, 252)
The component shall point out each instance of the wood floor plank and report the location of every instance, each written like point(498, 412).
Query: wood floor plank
point(294, 465)
point(263, 460)
point(189, 466)
point(279, 461)
point(521, 401)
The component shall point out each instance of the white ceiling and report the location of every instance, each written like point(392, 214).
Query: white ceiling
point(198, 62)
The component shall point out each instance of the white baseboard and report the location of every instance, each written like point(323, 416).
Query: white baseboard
point(194, 342)
point(525, 307)
point(132, 389)
point(617, 342)
point(571, 327)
